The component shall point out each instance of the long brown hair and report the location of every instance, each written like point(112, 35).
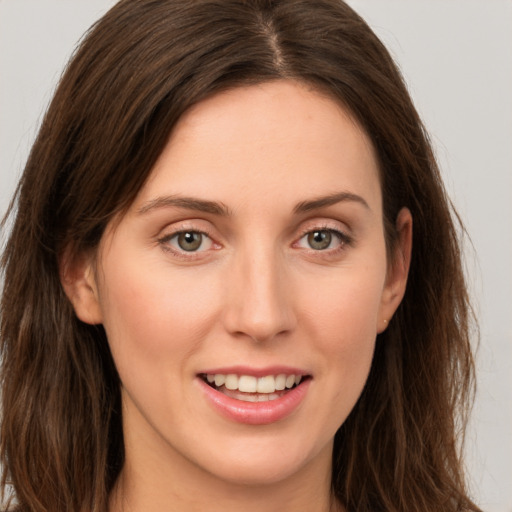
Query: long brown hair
point(136, 71)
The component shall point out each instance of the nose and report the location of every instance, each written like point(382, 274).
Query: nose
point(259, 297)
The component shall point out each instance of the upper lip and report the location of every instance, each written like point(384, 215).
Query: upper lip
point(255, 372)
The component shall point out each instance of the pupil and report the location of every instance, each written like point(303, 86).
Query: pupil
point(319, 239)
point(190, 241)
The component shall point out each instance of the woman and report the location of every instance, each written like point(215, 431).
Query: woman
point(233, 279)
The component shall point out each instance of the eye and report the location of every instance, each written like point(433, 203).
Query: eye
point(189, 241)
point(319, 240)
point(322, 239)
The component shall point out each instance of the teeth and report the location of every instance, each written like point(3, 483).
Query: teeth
point(266, 386)
point(248, 384)
point(219, 379)
point(231, 381)
point(280, 382)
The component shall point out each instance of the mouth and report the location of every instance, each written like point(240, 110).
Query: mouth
point(255, 397)
point(249, 388)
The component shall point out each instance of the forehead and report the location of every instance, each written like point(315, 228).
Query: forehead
point(278, 136)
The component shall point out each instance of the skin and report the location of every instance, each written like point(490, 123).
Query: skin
point(256, 293)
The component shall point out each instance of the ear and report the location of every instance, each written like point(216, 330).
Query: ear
point(77, 276)
point(398, 270)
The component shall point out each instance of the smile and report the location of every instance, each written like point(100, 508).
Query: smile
point(249, 388)
point(255, 399)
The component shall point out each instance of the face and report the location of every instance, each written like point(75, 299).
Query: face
point(252, 260)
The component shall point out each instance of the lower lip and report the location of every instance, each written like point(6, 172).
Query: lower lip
point(255, 413)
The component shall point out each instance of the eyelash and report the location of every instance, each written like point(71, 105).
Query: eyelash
point(186, 255)
point(344, 242)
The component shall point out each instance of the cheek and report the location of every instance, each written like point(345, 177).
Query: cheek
point(153, 316)
point(346, 306)
point(343, 321)
point(339, 325)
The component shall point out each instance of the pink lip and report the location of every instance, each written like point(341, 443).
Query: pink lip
point(255, 413)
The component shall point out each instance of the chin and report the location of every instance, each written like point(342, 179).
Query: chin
point(260, 462)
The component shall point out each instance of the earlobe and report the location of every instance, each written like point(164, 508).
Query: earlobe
point(398, 270)
point(78, 280)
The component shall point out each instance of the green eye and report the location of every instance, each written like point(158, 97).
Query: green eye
point(189, 240)
point(187, 243)
point(319, 240)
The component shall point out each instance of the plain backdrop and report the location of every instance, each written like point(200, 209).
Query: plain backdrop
point(456, 56)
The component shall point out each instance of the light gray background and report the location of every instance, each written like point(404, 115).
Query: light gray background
point(456, 56)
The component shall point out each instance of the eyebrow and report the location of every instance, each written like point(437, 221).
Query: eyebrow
point(331, 199)
point(189, 203)
point(218, 208)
